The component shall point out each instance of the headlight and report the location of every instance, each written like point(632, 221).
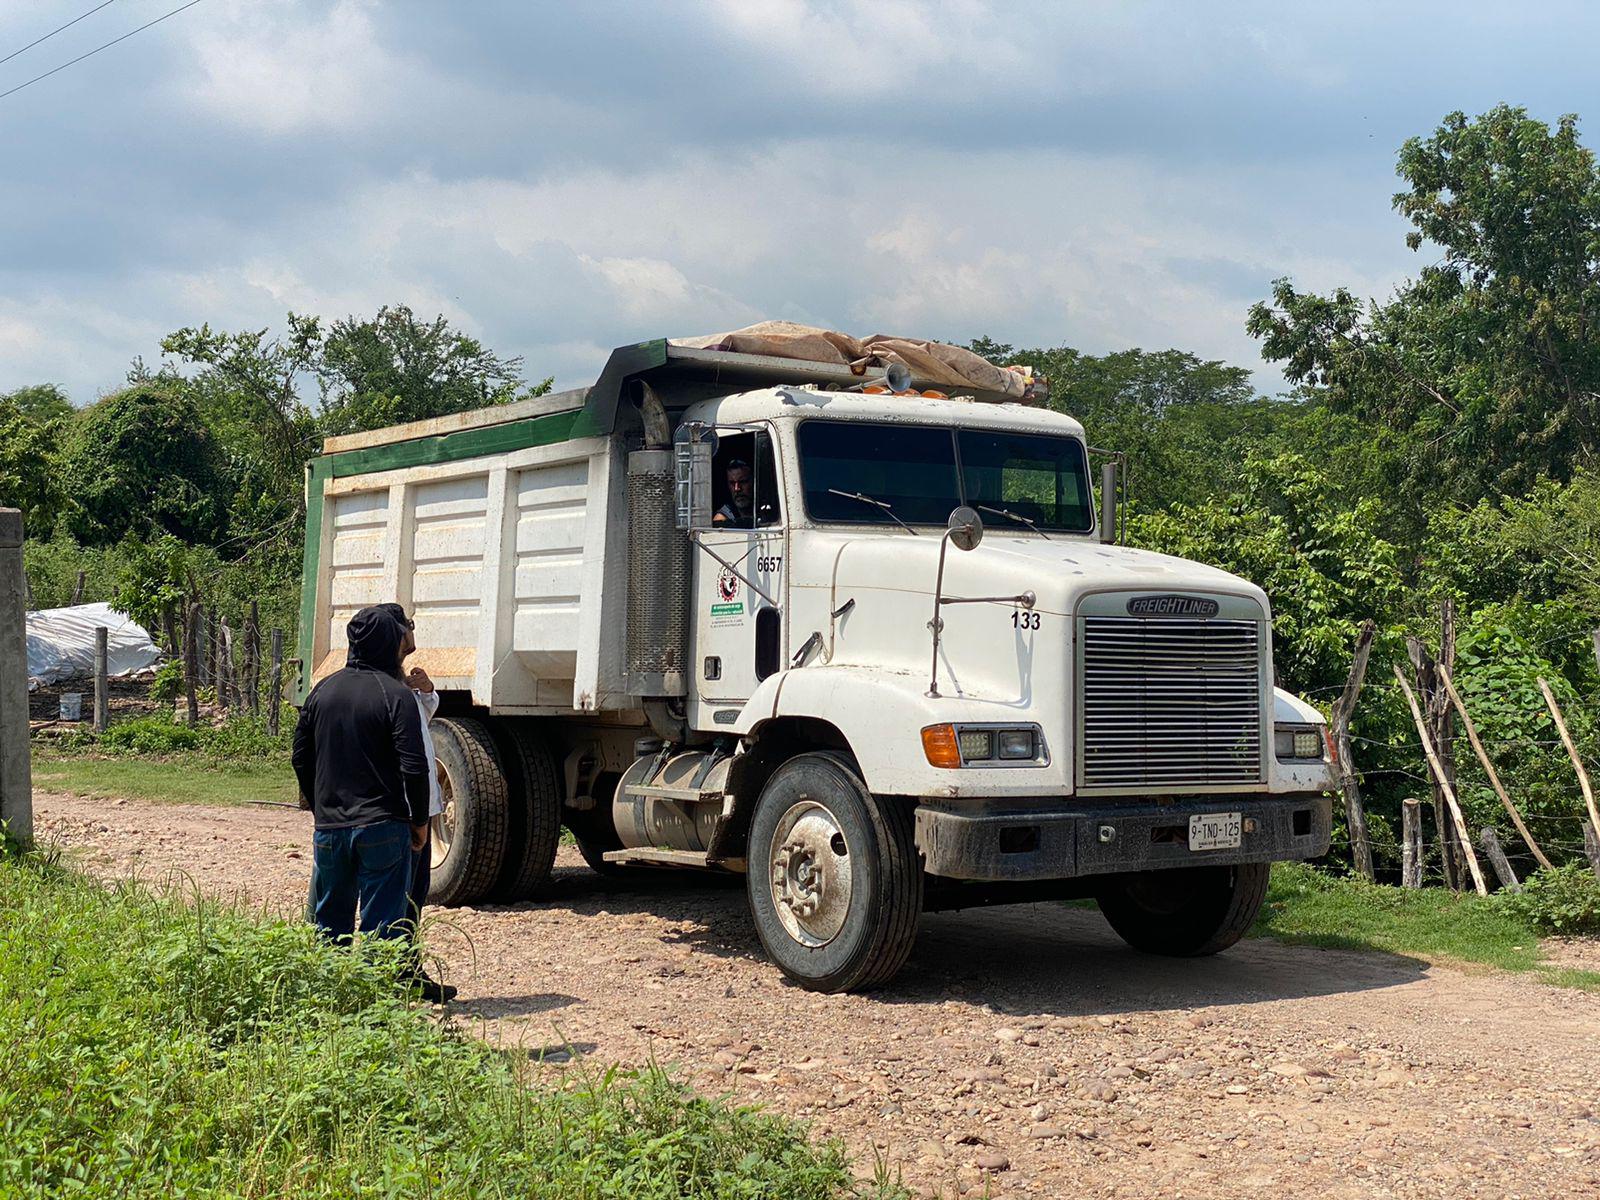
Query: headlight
point(976, 744)
point(984, 745)
point(1017, 743)
point(1297, 743)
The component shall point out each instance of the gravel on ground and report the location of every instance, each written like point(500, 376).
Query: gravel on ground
point(1022, 1052)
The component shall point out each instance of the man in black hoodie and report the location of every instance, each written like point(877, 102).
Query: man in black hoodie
point(358, 754)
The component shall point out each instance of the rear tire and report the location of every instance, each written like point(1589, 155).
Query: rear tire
point(534, 829)
point(472, 835)
point(834, 879)
point(1188, 911)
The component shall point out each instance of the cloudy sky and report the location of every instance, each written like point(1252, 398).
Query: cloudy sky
point(562, 178)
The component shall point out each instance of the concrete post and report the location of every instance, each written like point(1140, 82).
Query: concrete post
point(16, 780)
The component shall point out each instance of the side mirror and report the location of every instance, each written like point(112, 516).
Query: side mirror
point(965, 528)
point(1108, 502)
point(693, 478)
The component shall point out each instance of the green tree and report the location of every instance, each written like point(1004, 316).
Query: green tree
point(1183, 422)
point(1325, 566)
point(1487, 362)
point(40, 403)
point(248, 389)
point(143, 461)
point(30, 477)
point(395, 368)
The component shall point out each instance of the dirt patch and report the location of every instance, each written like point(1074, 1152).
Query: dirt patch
point(1023, 1050)
point(124, 698)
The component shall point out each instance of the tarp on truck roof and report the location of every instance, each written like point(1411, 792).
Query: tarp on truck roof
point(685, 370)
point(934, 363)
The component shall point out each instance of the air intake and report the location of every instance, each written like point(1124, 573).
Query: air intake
point(657, 645)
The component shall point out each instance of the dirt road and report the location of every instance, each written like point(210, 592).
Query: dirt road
point(1025, 1050)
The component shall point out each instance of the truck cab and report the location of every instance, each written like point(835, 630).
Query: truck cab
point(869, 644)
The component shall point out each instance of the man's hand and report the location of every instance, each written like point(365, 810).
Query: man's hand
point(417, 680)
point(419, 836)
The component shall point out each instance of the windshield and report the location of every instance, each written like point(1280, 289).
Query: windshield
point(922, 472)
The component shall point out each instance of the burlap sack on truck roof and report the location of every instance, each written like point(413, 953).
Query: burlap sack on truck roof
point(936, 363)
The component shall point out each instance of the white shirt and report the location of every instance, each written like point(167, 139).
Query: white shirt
point(428, 704)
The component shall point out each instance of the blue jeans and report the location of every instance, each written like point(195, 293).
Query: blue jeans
point(421, 877)
point(370, 864)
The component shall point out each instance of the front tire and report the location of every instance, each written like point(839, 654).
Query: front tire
point(834, 880)
point(1186, 912)
point(470, 839)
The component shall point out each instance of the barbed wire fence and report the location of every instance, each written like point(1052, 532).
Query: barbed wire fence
point(1390, 764)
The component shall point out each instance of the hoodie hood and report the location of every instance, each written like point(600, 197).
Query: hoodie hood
point(375, 638)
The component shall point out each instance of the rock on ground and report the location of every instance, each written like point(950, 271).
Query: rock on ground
point(1028, 1037)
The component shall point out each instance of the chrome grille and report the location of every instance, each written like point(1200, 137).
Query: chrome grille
point(1170, 703)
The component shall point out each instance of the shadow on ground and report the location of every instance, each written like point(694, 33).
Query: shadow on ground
point(1033, 959)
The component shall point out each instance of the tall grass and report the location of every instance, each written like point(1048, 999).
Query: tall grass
point(162, 1045)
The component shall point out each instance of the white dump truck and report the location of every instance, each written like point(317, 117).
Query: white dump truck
point(871, 646)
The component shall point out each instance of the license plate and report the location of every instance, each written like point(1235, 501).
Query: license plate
point(1215, 831)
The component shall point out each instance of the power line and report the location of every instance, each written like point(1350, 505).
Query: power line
point(57, 30)
point(97, 49)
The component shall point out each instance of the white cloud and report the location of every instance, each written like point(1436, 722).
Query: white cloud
point(291, 68)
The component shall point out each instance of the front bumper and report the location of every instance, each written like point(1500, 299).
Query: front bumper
point(1065, 839)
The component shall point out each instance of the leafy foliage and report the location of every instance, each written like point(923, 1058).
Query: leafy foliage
point(41, 403)
point(396, 368)
point(1487, 360)
point(143, 461)
point(1326, 568)
point(151, 1047)
point(1564, 900)
point(29, 472)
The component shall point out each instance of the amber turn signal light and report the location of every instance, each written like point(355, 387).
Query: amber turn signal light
point(940, 745)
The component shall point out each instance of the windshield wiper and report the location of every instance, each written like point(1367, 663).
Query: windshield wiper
point(1017, 517)
point(875, 504)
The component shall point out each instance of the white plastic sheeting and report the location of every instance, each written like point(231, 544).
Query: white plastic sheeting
point(61, 644)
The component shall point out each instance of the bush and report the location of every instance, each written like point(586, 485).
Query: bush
point(164, 737)
point(152, 1048)
point(1564, 900)
point(168, 683)
point(150, 735)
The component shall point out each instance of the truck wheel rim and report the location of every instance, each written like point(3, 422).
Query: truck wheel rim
point(810, 876)
point(444, 825)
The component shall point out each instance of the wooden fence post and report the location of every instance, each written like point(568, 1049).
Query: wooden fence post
point(77, 589)
point(1411, 842)
point(102, 704)
point(277, 682)
point(1449, 843)
point(1343, 709)
point(1596, 637)
point(207, 648)
point(227, 685)
point(1591, 848)
point(169, 630)
point(1490, 841)
point(191, 661)
point(1464, 839)
point(252, 658)
point(1572, 753)
point(1488, 767)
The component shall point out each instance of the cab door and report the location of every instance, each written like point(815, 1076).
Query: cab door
point(739, 574)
